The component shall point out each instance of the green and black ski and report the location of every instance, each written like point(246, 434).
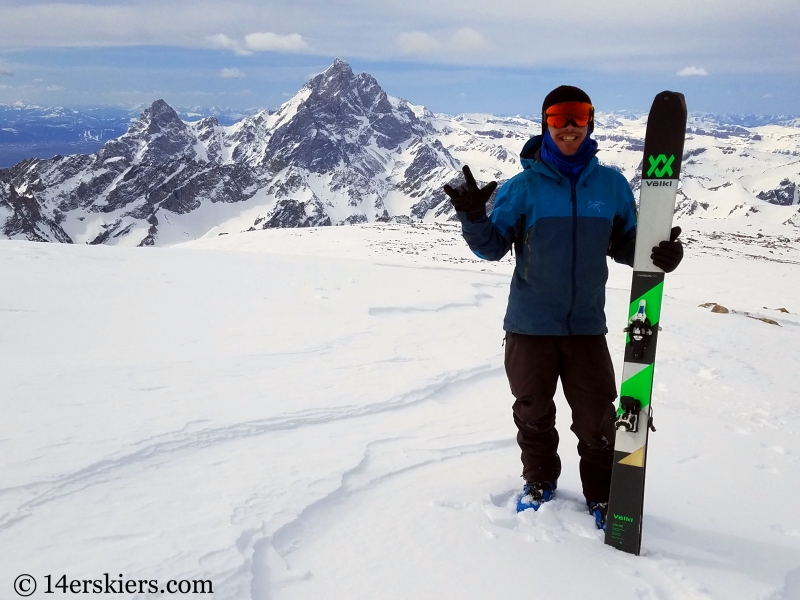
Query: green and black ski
point(661, 167)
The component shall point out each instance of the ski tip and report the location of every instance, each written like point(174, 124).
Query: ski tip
point(672, 97)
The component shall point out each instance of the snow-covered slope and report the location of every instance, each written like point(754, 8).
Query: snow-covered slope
point(342, 151)
point(322, 413)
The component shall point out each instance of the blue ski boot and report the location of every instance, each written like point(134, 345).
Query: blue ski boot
point(598, 510)
point(535, 494)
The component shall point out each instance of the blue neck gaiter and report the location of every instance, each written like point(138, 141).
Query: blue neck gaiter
point(569, 166)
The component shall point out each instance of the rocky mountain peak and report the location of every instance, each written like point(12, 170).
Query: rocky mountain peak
point(339, 87)
point(159, 131)
point(159, 117)
point(161, 110)
point(337, 76)
point(339, 66)
point(333, 82)
point(336, 116)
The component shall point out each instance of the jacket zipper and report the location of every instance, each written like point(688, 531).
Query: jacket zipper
point(574, 199)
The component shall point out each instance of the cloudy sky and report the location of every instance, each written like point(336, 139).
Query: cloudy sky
point(452, 56)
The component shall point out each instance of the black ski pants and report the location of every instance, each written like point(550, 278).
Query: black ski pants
point(534, 363)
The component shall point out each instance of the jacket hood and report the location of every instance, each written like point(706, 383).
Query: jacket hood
point(531, 152)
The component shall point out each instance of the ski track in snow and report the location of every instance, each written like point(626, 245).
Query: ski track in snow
point(165, 445)
point(363, 476)
point(394, 310)
point(412, 494)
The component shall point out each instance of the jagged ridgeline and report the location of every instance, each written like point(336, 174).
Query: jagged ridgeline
point(342, 151)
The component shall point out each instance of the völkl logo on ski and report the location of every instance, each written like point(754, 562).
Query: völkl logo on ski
point(659, 182)
point(623, 518)
point(655, 161)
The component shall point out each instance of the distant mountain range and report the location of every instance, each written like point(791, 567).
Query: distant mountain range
point(342, 151)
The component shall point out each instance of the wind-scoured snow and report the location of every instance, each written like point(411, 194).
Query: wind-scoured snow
point(323, 413)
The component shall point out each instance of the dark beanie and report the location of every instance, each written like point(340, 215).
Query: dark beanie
point(564, 93)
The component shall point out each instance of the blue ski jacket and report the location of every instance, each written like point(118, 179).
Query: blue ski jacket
point(561, 233)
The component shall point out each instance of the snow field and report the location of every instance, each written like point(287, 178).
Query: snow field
point(323, 413)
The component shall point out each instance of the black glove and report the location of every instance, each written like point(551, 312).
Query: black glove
point(468, 197)
point(668, 254)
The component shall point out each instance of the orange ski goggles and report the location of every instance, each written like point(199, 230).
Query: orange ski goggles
point(562, 113)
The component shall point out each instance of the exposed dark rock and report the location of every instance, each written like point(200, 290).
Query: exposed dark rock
point(291, 213)
point(784, 195)
point(690, 153)
point(27, 219)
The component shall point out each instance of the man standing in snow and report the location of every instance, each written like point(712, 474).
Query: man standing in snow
point(563, 214)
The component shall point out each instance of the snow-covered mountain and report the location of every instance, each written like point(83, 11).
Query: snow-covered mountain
point(342, 151)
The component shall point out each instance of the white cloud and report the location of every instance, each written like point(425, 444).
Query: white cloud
point(6, 72)
point(692, 72)
point(767, 96)
point(468, 40)
point(233, 73)
point(223, 42)
point(55, 88)
point(417, 42)
point(274, 42)
point(259, 42)
point(462, 41)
